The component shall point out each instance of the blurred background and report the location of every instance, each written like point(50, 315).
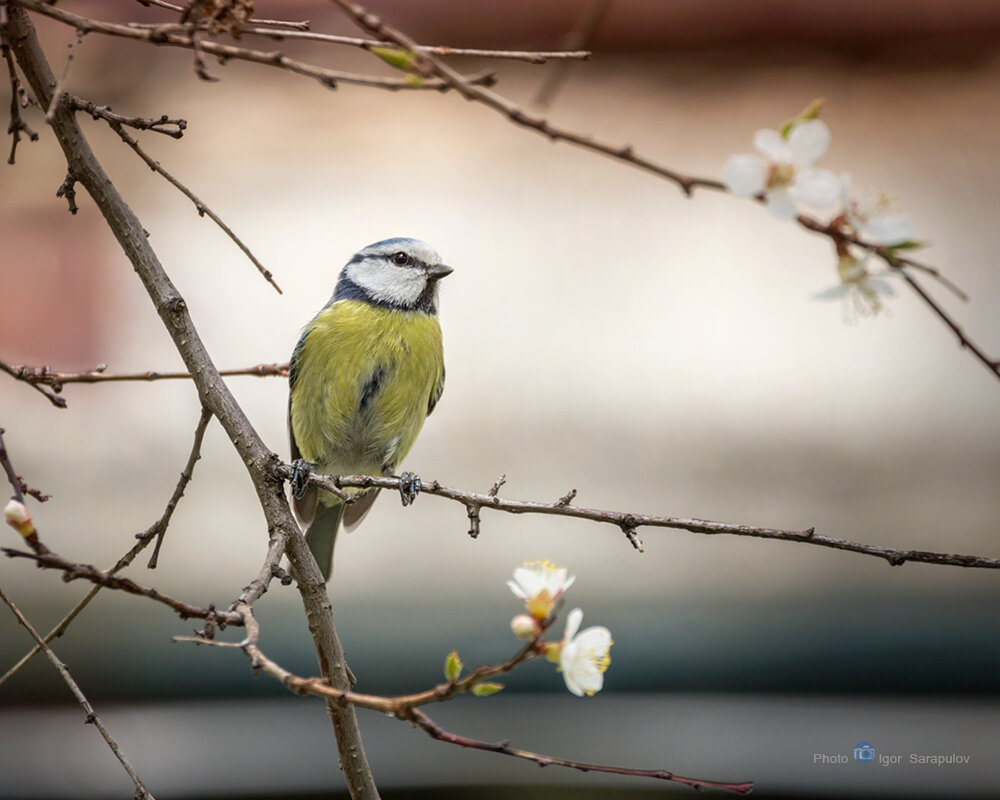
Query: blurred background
point(603, 333)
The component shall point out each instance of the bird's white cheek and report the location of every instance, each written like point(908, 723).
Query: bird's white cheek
point(389, 283)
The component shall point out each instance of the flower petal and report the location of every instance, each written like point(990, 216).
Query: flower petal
point(745, 175)
point(780, 203)
point(573, 624)
point(808, 142)
point(816, 187)
point(880, 287)
point(832, 293)
point(887, 231)
point(517, 590)
point(772, 146)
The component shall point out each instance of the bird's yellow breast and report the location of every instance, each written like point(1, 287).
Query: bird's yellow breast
point(364, 378)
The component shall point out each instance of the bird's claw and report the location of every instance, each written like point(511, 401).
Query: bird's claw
point(409, 487)
point(299, 479)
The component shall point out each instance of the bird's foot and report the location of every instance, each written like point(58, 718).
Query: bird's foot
point(299, 479)
point(409, 487)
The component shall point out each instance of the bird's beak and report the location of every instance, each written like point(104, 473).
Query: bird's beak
point(438, 271)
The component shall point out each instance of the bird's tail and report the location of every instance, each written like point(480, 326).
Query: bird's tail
point(321, 534)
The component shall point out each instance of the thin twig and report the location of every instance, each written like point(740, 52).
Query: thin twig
point(628, 522)
point(302, 26)
point(406, 707)
point(44, 376)
point(159, 528)
point(687, 183)
point(531, 56)
point(141, 791)
point(582, 34)
point(435, 731)
point(428, 64)
point(73, 570)
point(17, 484)
point(203, 210)
point(17, 125)
point(169, 127)
point(171, 38)
point(60, 89)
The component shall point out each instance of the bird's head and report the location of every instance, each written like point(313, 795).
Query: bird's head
point(400, 273)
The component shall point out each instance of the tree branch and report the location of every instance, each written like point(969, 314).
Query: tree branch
point(40, 377)
point(628, 522)
point(435, 731)
point(405, 707)
point(203, 210)
point(173, 128)
point(687, 183)
point(141, 792)
point(169, 37)
point(212, 391)
point(157, 529)
point(428, 71)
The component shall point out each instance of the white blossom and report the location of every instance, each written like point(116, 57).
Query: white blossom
point(862, 292)
point(584, 656)
point(783, 169)
point(874, 221)
point(535, 577)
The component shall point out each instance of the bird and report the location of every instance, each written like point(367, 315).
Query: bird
point(367, 371)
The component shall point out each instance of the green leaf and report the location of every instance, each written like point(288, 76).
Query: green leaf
point(395, 57)
point(910, 245)
point(811, 111)
point(486, 689)
point(452, 666)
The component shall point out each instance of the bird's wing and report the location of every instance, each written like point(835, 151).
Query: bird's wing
point(305, 506)
point(436, 392)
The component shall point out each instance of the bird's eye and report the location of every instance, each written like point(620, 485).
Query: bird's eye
point(400, 259)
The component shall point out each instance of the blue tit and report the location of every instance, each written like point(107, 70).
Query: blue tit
point(366, 372)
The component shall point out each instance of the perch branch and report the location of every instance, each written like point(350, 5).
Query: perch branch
point(628, 522)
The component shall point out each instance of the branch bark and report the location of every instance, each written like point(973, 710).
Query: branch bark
point(212, 391)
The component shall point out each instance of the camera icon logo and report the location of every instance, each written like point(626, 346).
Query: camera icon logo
point(864, 752)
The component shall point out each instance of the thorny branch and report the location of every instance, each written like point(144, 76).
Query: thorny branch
point(141, 792)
